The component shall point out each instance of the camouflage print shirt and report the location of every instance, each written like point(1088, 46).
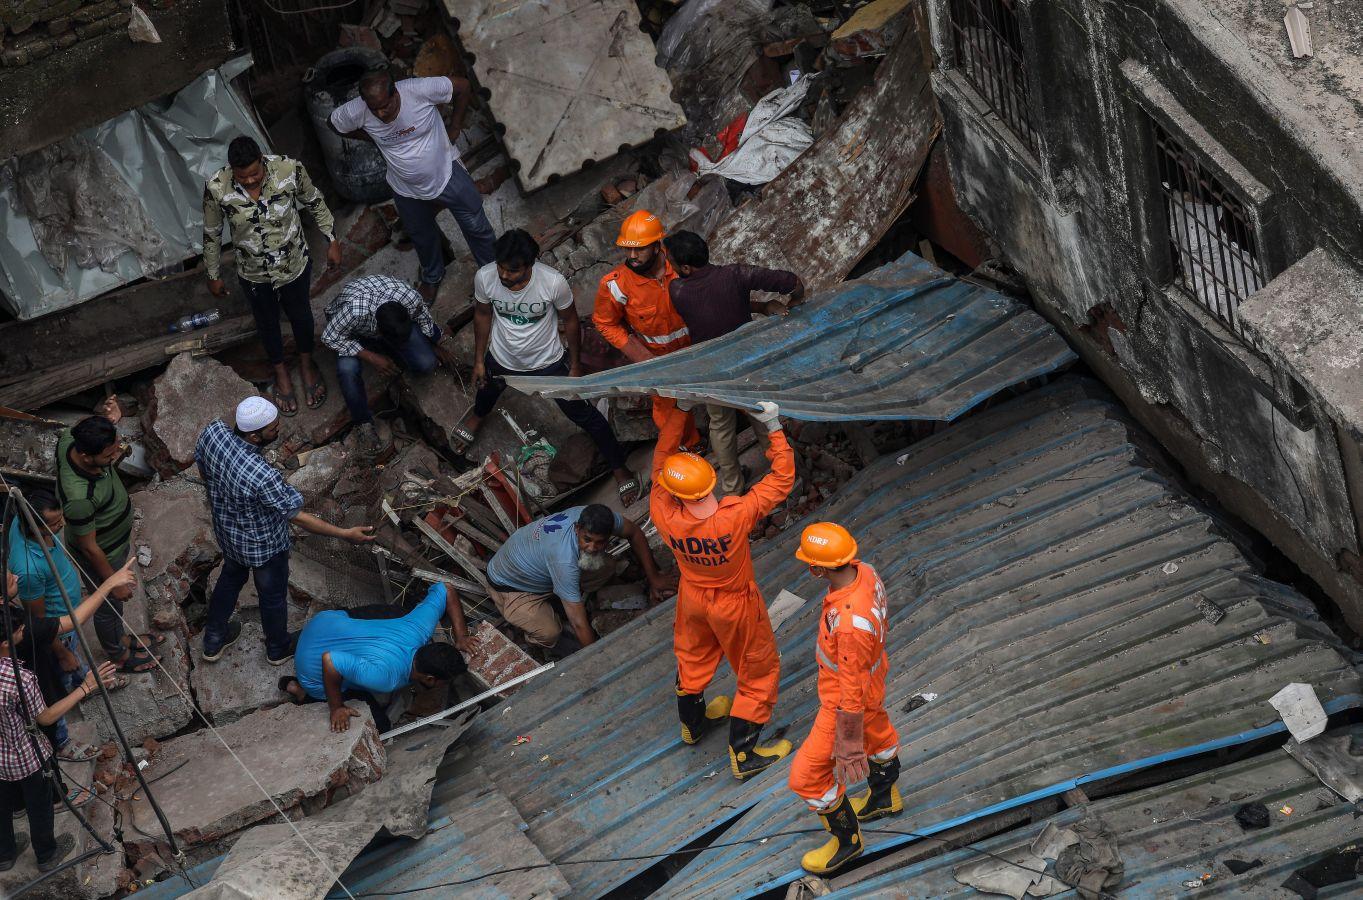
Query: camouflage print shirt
point(267, 232)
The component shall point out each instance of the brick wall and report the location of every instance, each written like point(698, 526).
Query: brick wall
point(35, 29)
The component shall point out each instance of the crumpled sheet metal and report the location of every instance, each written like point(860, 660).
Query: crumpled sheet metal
point(908, 341)
point(1169, 834)
point(1026, 545)
point(162, 153)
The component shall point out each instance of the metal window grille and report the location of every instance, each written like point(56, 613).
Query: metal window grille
point(1211, 239)
point(988, 47)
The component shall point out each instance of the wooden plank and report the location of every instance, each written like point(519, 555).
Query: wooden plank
point(467, 563)
point(117, 334)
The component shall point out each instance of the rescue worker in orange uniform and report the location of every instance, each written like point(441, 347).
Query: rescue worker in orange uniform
point(852, 737)
point(720, 612)
point(634, 311)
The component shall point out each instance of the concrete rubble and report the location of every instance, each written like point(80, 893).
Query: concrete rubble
point(290, 750)
point(191, 393)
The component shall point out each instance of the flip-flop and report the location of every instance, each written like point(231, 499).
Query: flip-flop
point(635, 483)
point(287, 403)
point(138, 657)
point(463, 439)
point(316, 394)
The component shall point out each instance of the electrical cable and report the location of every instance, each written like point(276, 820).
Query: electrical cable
point(189, 701)
point(49, 765)
point(16, 498)
point(951, 845)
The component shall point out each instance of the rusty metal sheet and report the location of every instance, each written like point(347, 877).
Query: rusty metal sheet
point(821, 215)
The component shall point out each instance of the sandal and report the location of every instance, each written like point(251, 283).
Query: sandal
point(463, 439)
point(77, 797)
point(634, 484)
point(287, 403)
point(137, 662)
point(316, 393)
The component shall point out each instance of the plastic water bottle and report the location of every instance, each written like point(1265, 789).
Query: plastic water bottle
point(197, 320)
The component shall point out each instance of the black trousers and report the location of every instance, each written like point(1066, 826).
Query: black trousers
point(579, 412)
point(267, 301)
point(33, 793)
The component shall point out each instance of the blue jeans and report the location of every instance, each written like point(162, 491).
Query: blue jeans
point(272, 585)
point(416, 356)
point(462, 199)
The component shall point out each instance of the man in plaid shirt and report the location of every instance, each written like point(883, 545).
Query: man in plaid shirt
point(383, 322)
point(24, 753)
point(252, 508)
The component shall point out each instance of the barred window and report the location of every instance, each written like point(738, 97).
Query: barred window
point(988, 47)
point(1211, 239)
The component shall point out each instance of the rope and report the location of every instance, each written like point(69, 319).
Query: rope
point(326, 865)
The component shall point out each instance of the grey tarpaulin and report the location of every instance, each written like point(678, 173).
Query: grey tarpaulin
point(163, 151)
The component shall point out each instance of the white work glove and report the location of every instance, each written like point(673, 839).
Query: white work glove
point(769, 414)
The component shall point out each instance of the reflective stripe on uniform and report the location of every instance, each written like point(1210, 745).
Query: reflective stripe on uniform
point(885, 756)
point(618, 294)
point(825, 802)
point(665, 338)
point(823, 658)
point(864, 624)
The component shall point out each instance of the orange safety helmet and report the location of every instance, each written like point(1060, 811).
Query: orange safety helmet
point(640, 229)
point(687, 476)
point(827, 545)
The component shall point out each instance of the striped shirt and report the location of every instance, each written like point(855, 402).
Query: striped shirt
point(350, 315)
point(97, 503)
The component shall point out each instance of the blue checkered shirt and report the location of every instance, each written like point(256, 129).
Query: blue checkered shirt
point(252, 503)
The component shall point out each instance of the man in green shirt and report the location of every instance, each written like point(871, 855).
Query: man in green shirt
point(99, 522)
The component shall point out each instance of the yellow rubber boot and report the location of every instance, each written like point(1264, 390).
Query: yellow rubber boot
point(698, 717)
point(882, 794)
point(746, 756)
point(844, 846)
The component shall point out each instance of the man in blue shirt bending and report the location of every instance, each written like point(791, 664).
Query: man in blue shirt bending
point(343, 657)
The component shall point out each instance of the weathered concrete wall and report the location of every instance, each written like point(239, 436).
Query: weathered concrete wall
point(68, 64)
point(1083, 222)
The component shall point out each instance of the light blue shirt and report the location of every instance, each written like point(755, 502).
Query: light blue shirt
point(36, 581)
point(541, 558)
point(370, 654)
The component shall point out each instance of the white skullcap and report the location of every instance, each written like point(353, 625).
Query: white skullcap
point(254, 413)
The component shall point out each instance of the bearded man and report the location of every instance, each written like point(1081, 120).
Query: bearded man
point(564, 556)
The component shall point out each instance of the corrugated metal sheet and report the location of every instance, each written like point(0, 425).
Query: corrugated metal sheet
point(1043, 582)
point(472, 830)
point(907, 341)
point(1178, 832)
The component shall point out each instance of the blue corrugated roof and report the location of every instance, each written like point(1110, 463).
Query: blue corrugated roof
point(1043, 582)
point(1174, 833)
point(908, 341)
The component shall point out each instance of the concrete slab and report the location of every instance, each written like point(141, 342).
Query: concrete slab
point(573, 83)
point(290, 750)
point(174, 523)
point(192, 392)
point(242, 681)
point(271, 862)
point(323, 470)
point(1309, 320)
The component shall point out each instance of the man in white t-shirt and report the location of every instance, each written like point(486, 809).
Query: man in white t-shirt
point(521, 306)
point(424, 170)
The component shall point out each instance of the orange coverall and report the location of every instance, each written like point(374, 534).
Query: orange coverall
point(720, 612)
point(852, 664)
point(625, 298)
